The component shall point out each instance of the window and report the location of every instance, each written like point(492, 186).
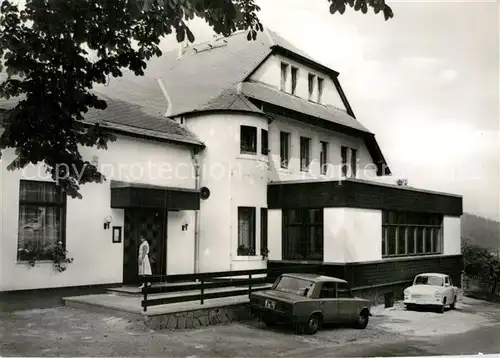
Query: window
point(263, 230)
point(349, 162)
point(343, 153)
point(248, 139)
point(328, 290)
point(354, 160)
point(320, 89)
point(295, 70)
point(42, 211)
point(410, 234)
point(284, 149)
point(302, 234)
point(284, 76)
point(344, 291)
point(323, 158)
point(246, 231)
point(305, 157)
point(311, 79)
point(265, 142)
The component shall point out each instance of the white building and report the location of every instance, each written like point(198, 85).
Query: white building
point(225, 149)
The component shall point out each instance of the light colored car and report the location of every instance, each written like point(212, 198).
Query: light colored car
point(309, 300)
point(431, 289)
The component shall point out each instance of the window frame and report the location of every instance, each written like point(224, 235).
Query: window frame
point(299, 250)
point(253, 149)
point(263, 230)
point(62, 205)
point(311, 85)
point(264, 141)
point(284, 149)
point(252, 227)
point(323, 157)
point(412, 225)
point(305, 154)
point(284, 76)
point(294, 71)
point(321, 82)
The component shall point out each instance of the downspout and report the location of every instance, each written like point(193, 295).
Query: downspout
point(197, 173)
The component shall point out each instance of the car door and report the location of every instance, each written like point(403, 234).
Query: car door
point(348, 305)
point(329, 302)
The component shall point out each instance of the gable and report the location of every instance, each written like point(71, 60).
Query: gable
point(270, 73)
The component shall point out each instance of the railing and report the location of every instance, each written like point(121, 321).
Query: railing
point(212, 280)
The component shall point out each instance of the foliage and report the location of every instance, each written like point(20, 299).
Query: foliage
point(265, 253)
point(33, 252)
point(480, 262)
point(45, 49)
point(245, 251)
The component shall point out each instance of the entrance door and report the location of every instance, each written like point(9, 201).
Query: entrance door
point(152, 225)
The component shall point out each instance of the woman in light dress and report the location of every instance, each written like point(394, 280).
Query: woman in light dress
point(144, 264)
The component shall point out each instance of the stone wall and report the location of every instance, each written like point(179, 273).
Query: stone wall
point(199, 318)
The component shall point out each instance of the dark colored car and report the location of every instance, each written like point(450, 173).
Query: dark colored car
point(309, 300)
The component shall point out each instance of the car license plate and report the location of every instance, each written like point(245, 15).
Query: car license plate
point(270, 304)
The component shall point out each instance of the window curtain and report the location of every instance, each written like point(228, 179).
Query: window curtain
point(39, 220)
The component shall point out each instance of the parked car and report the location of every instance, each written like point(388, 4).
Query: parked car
point(431, 289)
point(309, 300)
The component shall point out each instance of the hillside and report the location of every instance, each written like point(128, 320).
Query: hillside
point(477, 230)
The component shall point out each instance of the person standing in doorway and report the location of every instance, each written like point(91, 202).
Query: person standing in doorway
point(144, 264)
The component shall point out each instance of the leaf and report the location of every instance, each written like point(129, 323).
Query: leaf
point(180, 36)
point(249, 36)
point(189, 35)
point(333, 8)
point(388, 14)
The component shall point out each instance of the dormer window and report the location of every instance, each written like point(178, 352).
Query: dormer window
point(295, 70)
point(320, 89)
point(284, 76)
point(312, 82)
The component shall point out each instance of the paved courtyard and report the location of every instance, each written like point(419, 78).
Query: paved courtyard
point(474, 327)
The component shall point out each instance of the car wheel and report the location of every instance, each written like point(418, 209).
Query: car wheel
point(313, 324)
point(362, 320)
point(453, 305)
point(268, 322)
point(441, 307)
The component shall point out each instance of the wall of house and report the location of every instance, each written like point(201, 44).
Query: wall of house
point(270, 73)
point(451, 235)
point(365, 167)
point(234, 179)
point(180, 244)
point(274, 234)
point(96, 259)
point(352, 235)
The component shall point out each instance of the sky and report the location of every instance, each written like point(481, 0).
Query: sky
point(425, 82)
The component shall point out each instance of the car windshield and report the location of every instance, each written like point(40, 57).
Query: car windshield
point(294, 285)
point(429, 280)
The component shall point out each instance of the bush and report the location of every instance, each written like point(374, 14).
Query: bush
point(481, 263)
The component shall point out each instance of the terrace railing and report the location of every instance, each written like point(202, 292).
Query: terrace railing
point(242, 282)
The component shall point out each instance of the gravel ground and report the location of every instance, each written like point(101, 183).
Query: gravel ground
point(64, 331)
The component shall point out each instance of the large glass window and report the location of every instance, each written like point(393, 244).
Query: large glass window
point(303, 234)
point(246, 231)
point(248, 139)
point(407, 234)
point(42, 209)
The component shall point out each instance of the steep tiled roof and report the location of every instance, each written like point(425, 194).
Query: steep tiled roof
point(271, 95)
point(135, 106)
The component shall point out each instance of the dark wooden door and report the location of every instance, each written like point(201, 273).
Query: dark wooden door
point(152, 225)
